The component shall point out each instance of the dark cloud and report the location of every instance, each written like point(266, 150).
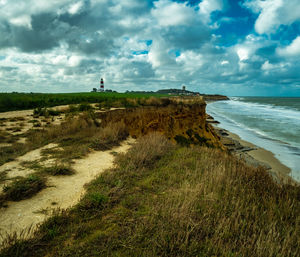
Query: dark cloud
point(45, 34)
point(187, 37)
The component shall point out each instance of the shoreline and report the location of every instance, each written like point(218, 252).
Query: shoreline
point(253, 155)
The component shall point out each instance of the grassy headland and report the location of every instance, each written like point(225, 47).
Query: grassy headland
point(176, 192)
point(167, 200)
point(23, 101)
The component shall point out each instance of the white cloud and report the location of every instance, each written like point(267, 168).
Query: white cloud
point(291, 50)
point(74, 60)
point(243, 53)
point(24, 20)
point(206, 7)
point(60, 60)
point(168, 13)
point(267, 66)
point(273, 13)
point(158, 54)
point(191, 61)
point(224, 62)
point(74, 8)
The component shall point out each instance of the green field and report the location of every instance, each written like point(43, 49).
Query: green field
point(23, 101)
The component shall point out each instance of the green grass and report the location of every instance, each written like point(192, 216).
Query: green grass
point(166, 200)
point(22, 101)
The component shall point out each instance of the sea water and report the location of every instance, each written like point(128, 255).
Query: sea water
point(272, 123)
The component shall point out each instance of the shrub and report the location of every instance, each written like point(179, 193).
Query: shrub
point(53, 112)
point(45, 112)
point(97, 199)
point(73, 108)
point(84, 107)
point(24, 188)
point(58, 170)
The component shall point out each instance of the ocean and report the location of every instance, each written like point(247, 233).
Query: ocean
point(272, 123)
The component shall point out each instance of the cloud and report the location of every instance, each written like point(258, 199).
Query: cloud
point(158, 54)
point(66, 45)
point(190, 61)
point(292, 50)
point(206, 7)
point(273, 13)
point(23, 20)
point(75, 8)
point(168, 13)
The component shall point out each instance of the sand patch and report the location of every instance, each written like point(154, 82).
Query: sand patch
point(16, 169)
point(64, 192)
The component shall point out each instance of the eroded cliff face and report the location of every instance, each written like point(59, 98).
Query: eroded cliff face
point(184, 123)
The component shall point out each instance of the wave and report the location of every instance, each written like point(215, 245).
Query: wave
point(242, 126)
point(265, 109)
point(272, 127)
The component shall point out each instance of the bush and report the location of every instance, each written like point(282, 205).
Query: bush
point(24, 188)
point(59, 170)
point(84, 107)
point(45, 112)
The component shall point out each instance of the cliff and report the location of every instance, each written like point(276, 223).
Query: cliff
point(215, 97)
point(184, 123)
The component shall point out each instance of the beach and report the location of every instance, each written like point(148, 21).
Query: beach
point(268, 128)
point(253, 155)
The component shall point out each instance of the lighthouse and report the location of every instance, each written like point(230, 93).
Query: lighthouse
point(101, 85)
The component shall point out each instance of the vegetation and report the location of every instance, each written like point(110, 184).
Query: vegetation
point(81, 129)
point(166, 200)
point(109, 136)
point(58, 170)
point(21, 101)
point(75, 135)
point(22, 188)
point(160, 199)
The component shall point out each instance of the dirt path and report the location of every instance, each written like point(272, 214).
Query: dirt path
point(64, 192)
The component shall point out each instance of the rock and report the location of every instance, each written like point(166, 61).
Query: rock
point(213, 121)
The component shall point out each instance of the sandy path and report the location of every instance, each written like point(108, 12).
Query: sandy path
point(15, 168)
point(64, 191)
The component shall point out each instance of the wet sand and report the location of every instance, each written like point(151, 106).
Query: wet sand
point(254, 155)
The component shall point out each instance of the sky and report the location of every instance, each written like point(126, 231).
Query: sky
point(231, 47)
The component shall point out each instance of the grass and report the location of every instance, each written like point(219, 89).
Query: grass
point(45, 112)
point(4, 136)
point(22, 101)
point(76, 135)
point(85, 131)
point(9, 153)
point(109, 136)
point(22, 188)
point(175, 201)
point(3, 176)
point(59, 170)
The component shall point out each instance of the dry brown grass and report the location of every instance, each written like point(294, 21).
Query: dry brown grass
point(146, 151)
point(175, 202)
point(76, 135)
point(109, 136)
